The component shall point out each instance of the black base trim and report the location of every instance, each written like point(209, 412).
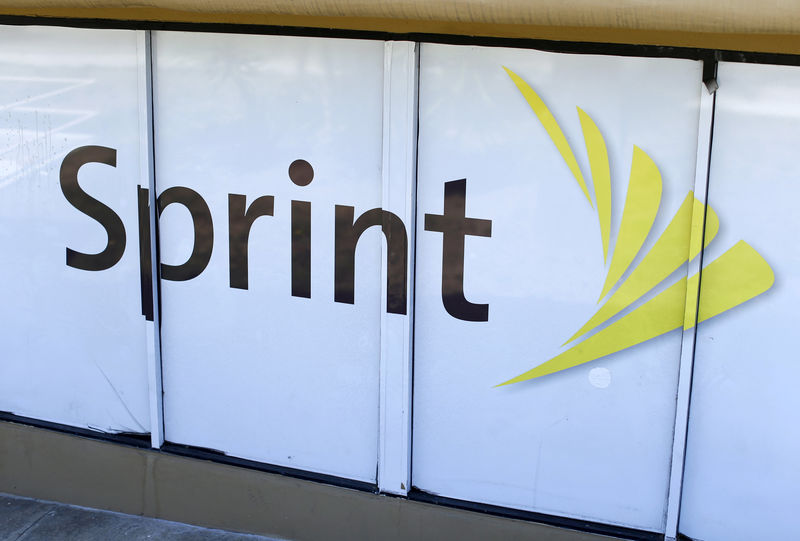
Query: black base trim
point(190, 451)
point(133, 439)
point(532, 516)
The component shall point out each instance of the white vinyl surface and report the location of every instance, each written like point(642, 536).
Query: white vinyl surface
point(594, 441)
point(258, 373)
point(73, 347)
point(325, 386)
point(741, 473)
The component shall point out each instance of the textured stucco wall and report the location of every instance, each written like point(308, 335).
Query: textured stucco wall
point(49, 465)
point(765, 26)
point(731, 16)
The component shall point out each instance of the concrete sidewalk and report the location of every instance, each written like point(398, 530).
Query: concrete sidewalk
point(23, 519)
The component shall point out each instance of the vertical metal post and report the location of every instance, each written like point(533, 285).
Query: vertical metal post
point(399, 197)
point(705, 134)
point(147, 171)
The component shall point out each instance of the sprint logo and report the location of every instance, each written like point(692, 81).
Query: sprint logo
point(735, 277)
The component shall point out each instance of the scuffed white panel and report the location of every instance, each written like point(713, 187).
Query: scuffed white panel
point(259, 373)
point(73, 346)
point(741, 473)
point(593, 441)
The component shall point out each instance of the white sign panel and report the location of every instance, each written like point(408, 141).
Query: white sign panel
point(554, 210)
point(74, 337)
point(555, 225)
point(741, 472)
point(268, 167)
